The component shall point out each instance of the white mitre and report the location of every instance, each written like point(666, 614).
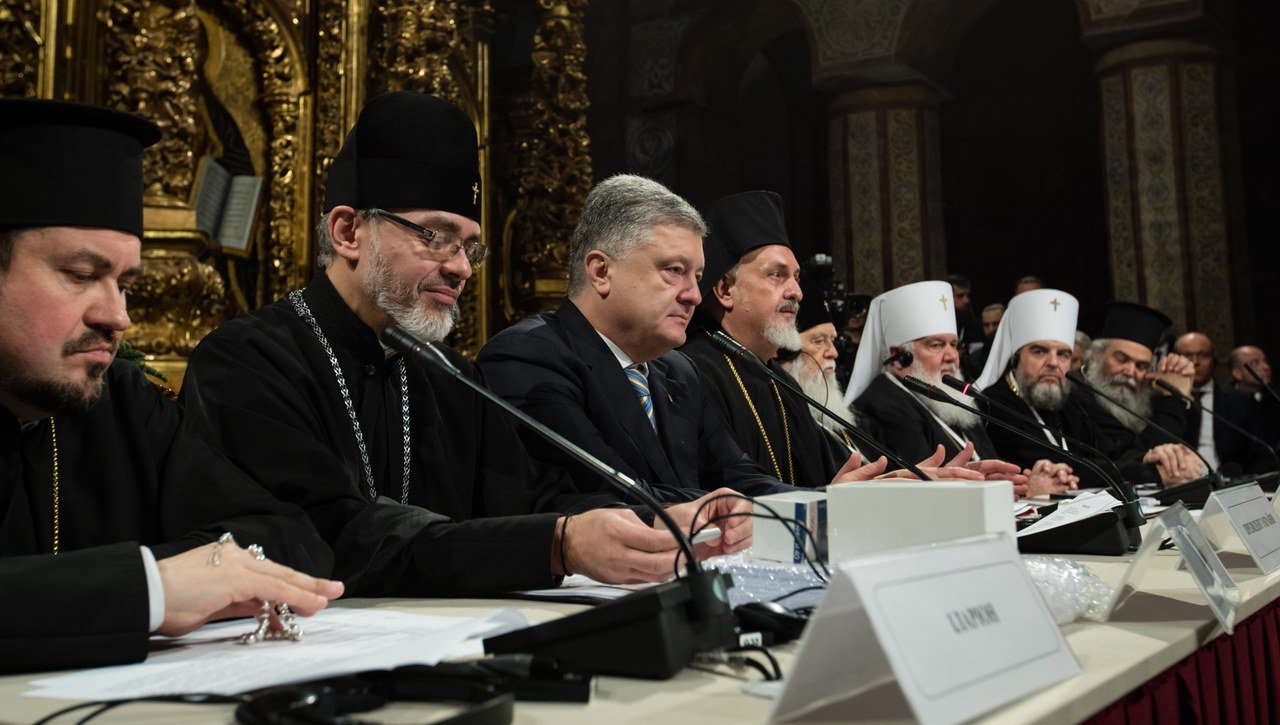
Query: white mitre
point(1040, 314)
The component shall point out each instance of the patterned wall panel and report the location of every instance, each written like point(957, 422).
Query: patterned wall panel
point(655, 46)
point(1115, 144)
point(651, 146)
point(862, 169)
point(1157, 187)
point(1206, 212)
point(853, 30)
point(837, 192)
point(905, 192)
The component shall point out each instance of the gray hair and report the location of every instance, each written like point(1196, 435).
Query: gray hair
point(324, 242)
point(1083, 339)
point(617, 218)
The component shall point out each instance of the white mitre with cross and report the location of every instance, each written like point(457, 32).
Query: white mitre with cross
point(1040, 314)
point(900, 315)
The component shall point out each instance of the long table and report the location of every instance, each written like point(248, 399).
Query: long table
point(1161, 654)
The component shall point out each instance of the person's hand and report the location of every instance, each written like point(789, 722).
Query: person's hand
point(725, 509)
point(1046, 477)
point(615, 547)
point(992, 469)
point(196, 591)
point(854, 471)
point(1175, 463)
point(1175, 370)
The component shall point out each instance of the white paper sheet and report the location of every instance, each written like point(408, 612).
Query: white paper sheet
point(1079, 508)
point(337, 641)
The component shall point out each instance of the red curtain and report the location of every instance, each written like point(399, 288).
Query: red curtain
point(1231, 680)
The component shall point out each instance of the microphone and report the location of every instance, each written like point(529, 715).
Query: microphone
point(1132, 510)
point(675, 620)
point(1075, 377)
point(733, 348)
point(1222, 418)
point(972, 391)
point(1254, 372)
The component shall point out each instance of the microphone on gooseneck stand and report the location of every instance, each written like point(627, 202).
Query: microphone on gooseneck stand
point(1221, 418)
point(1254, 373)
point(973, 391)
point(1133, 518)
point(651, 633)
point(734, 349)
point(1075, 377)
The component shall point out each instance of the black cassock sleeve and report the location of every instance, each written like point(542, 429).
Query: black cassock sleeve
point(85, 608)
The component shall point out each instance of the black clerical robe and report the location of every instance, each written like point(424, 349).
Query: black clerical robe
point(265, 391)
point(130, 472)
point(770, 423)
point(904, 424)
point(1127, 447)
point(1072, 420)
point(558, 369)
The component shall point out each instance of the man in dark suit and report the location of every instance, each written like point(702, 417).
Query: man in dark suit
point(601, 369)
point(1217, 441)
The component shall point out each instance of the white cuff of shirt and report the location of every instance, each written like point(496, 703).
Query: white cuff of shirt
point(155, 589)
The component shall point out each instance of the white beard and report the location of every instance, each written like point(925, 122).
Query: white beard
point(823, 387)
point(1135, 399)
point(425, 319)
point(946, 412)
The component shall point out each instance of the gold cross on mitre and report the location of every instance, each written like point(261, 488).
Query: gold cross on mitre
point(1055, 303)
point(943, 300)
point(475, 192)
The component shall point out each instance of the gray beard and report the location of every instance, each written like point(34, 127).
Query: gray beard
point(1044, 396)
point(947, 413)
point(783, 334)
point(424, 319)
point(1137, 400)
point(824, 388)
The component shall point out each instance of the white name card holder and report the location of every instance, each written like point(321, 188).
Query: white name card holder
point(941, 633)
point(1243, 514)
point(1206, 568)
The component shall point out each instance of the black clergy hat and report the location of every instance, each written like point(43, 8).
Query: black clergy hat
point(813, 308)
point(71, 164)
point(408, 151)
point(736, 225)
point(1133, 322)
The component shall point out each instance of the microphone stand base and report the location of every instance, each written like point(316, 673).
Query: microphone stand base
point(651, 634)
point(1104, 535)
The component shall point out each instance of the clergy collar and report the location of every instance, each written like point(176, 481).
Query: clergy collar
point(340, 323)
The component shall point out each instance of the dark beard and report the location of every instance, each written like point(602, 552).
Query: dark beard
point(53, 397)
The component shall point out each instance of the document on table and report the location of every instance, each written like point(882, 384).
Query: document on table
point(1082, 507)
point(336, 641)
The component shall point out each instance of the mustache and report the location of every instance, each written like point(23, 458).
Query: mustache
point(1124, 380)
point(94, 337)
point(788, 306)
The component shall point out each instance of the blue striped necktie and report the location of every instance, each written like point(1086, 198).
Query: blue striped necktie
point(640, 383)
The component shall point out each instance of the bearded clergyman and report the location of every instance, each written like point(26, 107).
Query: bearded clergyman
point(1121, 364)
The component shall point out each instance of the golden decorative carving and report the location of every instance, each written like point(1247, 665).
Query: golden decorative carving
point(20, 43)
point(550, 157)
point(179, 299)
point(153, 50)
point(279, 57)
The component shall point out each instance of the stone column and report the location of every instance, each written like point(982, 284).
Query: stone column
point(1166, 205)
point(885, 185)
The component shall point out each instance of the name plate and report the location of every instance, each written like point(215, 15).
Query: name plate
point(957, 630)
point(1202, 561)
point(1246, 512)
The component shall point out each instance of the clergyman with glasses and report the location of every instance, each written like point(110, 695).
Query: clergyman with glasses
point(420, 486)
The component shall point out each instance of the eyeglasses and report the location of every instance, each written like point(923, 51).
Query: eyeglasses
point(442, 245)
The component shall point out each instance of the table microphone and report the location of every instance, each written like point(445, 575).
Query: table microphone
point(1253, 371)
point(973, 391)
point(1178, 394)
point(653, 632)
point(1075, 377)
point(1129, 501)
point(733, 348)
